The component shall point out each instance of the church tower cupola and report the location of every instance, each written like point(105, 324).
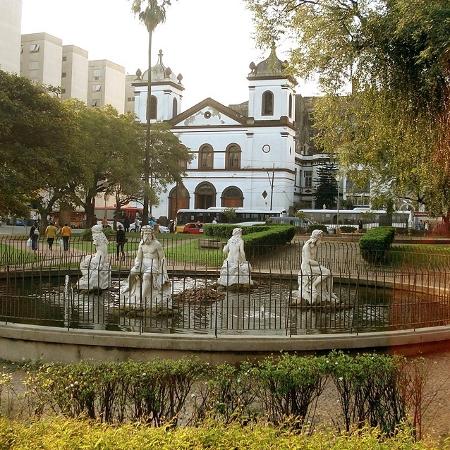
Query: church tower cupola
point(167, 89)
point(271, 90)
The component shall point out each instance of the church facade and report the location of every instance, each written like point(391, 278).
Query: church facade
point(240, 159)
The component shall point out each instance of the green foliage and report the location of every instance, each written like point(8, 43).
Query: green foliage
point(326, 187)
point(263, 241)
point(395, 55)
point(36, 140)
point(347, 229)
point(376, 242)
point(225, 230)
point(229, 214)
point(317, 226)
point(58, 433)
point(289, 387)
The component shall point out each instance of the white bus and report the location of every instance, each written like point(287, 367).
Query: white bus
point(185, 216)
point(355, 217)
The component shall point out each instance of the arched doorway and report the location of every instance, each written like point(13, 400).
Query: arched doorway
point(232, 197)
point(205, 196)
point(178, 199)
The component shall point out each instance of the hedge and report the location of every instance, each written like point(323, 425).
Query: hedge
point(57, 433)
point(317, 226)
point(372, 388)
point(375, 243)
point(225, 230)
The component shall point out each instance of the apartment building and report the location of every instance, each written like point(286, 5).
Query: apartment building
point(41, 58)
point(10, 21)
point(74, 73)
point(106, 84)
point(129, 93)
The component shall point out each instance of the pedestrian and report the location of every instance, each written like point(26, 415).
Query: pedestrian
point(171, 226)
point(126, 224)
point(50, 234)
point(34, 236)
point(136, 225)
point(360, 225)
point(214, 221)
point(120, 241)
point(66, 233)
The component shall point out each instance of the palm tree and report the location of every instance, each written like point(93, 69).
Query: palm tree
point(151, 13)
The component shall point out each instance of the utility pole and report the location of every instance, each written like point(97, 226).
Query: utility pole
point(271, 181)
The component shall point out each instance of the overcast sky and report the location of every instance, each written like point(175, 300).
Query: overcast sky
point(209, 41)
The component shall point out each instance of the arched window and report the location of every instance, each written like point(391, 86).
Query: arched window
point(178, 199)
point(233, 157)
point(290, 106)
point(206, 157)
point(174, 107)
point(153, 107)
point(205, 196)
point(232, 197)
point(267, 104)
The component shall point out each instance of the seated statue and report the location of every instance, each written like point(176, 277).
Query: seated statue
point(314, 280)
point(95, 269)
point(148, 276)
point(236, 270)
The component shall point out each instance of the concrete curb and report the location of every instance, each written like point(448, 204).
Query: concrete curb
point(18, 342)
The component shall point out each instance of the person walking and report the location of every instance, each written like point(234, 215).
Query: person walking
point(34, 236)
point(66, 233)
point(120, 241)
point(126, 224)
point(50, 234)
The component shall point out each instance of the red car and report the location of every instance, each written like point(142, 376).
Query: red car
point(193, 228)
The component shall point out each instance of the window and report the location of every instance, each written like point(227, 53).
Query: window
point(96, 88)
point(63, 91)
point(267, 104)
point(34, 48)
point(33, 65)
point(63, 75)
point(174, 107)
point(153, 107)
point(64, 58)
point(95, 102)
point(308, 179)
point(233, 157)
point(131, 99)
point(232, 197)
point(290, 105)
point(96, 74)
point(206, 157)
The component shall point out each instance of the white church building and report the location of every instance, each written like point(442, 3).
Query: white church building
point(239, 160)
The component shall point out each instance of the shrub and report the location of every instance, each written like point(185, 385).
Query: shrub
point(347, 229)
point(290, 386)
point(58, 433)
point(225, 230)
point(317, 226)
point(265, 240)
point(375, 243)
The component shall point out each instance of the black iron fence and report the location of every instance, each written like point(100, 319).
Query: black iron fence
point(395, 290)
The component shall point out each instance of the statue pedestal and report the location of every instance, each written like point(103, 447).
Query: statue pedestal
point(236, 275)
point(142, 294)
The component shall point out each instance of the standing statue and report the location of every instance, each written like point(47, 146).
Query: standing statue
point(95, 269)
point(314, 280)
point(236, 270)
point(148, 276)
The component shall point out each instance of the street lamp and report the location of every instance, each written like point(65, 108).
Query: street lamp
point(338, 180)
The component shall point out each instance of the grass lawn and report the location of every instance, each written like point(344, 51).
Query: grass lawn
point(12, 255)
point(189, 252)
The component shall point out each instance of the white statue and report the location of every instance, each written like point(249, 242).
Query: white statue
point(314, 280)
point(148, 276)
point(95, 269)
point(235, 269)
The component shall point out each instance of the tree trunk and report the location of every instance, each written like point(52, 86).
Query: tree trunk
point(89, 209)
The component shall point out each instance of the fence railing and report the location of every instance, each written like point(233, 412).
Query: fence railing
point(194, 253)
point(47, 292)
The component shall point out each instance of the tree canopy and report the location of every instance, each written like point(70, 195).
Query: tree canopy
point(395, 55)
point(36, 133)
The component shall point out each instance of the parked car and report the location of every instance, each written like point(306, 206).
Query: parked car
point(163, 229)
point(193, 228)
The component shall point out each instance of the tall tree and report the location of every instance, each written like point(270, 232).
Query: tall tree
point(151, 13)
point(395, 55)
point(111, 146)
point(36, 132)
point(326, 186)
